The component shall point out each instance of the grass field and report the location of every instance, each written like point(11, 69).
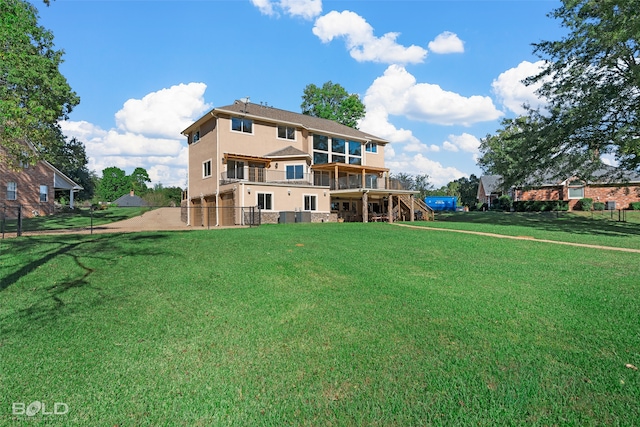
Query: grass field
point(319, 324)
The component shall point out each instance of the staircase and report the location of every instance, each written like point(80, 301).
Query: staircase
point(402, 209)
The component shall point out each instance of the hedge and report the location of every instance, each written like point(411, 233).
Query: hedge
point(540, 205)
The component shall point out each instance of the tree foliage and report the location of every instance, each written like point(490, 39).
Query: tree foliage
point(70, 157)
point(138, 181)
point(333, 102)
point(34, 95)
point(413, 182)
point(113, 184)
point(592, 84)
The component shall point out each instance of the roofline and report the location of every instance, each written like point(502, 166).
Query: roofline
point(76, 186)
point(365, 138)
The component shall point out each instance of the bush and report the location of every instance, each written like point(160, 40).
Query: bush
point(584, 204)
point(598, 206)
point(540, 205)
point(503, 203)
point(634, 206)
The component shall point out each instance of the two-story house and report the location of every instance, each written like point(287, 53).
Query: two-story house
point(292, 166)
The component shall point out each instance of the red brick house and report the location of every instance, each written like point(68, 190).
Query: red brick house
point(604, 187)
point(32, 187)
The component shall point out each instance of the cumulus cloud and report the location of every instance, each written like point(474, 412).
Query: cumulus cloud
point(361, 42)
point(513, 94)
point(465, 142)
point(418, 164)
point(147, 134)
point(397, 93)
point(307, 9)
point(446, 42)
point(165, 112)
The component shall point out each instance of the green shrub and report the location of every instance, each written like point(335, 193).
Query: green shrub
point(584, 204)
point(540, 205)
point(503, 203)
point(598, 206)
point(635, 206)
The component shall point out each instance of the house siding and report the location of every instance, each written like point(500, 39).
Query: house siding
point(28, 182)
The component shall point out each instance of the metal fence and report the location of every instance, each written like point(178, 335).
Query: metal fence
point(21, 220)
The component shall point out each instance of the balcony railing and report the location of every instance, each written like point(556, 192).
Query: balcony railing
point(319, 178)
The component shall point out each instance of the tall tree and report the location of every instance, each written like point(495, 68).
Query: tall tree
point(34, 95)
point(113, 184)
point(138, 181)
point(592, 83)
point(333, 102)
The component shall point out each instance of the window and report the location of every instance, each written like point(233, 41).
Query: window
point(310, 202)
point(295, 172)
point(286, 132)
point(242, 125)
point(206, 169)
point(371, 180)
point(320, 158)
point(371, 147)
point(337, 145)
point(44, 193)
point(12, 191)
point(337, 158)
point(576, 192)
point(265, 201)
point(235, 169)
point(355, 153)
point(196, 137)
point(321, 142)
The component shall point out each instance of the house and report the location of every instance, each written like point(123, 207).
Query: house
point(604, 186)
point(32, 188)
point(129, 200)
point(489, 189)
point(290, 166)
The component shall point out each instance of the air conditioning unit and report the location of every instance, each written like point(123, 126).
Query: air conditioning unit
point(610, 206)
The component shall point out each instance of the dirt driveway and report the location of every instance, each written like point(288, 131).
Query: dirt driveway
point(161, 219)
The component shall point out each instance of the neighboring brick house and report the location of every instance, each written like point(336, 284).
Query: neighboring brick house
point(32, 187)
point(489, 189)
point(604, 186)
point(292, 166)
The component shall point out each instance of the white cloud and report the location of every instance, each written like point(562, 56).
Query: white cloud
point(307, 9)
point(147, 134)
point(418, 164)
point(465, 142)
point(361, 42)
point(446, 42)
point(510, 90)
point(398, 93)
point(165, 112)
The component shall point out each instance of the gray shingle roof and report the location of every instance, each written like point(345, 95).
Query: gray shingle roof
point(309, 122)
point(491, 183)
point(287, 152)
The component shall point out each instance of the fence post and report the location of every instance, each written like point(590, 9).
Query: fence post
point(4, 216)
point(19, 224)
point(91, 223)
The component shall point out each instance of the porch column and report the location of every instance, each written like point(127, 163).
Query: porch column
point(364, 183)
point(390, 213)
point(335, 177)
point(411, 210)
point(71, 198)
point(365, 207)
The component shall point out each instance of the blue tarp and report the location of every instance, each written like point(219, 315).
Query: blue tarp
point(441, 203)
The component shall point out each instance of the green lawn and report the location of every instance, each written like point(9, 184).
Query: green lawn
point(318, 324)
point(76, 219)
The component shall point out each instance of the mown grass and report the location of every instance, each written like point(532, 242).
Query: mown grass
point(595, 228)
point(327, 324)
point(75, 219)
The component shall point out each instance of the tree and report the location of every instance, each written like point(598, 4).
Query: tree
point(70, 157)
point(34, 95)
point(332, 102)
point(138, 181)
point(468, 190)
point(592, 84)
point(419, 183)
point(113, 184)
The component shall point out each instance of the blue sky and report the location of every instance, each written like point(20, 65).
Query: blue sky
point(435, 76)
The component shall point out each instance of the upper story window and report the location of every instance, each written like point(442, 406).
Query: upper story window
point(242, 125)
point(206, 169)
point(44, 193)
point(371, 147)
point(196, 137)
point(12, 191)
point(235, 169)
point(295, 171)
point(336, 151)
point(287, 132)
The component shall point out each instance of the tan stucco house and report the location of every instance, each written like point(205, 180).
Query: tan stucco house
point(291, 166)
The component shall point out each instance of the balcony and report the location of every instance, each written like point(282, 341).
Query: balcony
point(256, 175)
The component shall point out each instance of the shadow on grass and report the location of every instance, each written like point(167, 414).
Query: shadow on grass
point(566, 222)
point(80, 249)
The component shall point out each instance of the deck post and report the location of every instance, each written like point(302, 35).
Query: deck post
point(390, 214)
point(365, 206)
point(411, 208)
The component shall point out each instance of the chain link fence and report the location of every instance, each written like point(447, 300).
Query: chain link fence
point(21, 220)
